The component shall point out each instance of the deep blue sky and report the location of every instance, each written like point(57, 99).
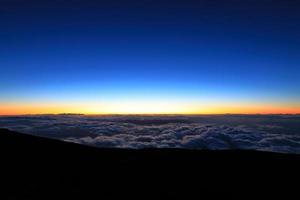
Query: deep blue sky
point(235, 51)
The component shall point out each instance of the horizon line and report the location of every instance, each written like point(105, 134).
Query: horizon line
point(149, 114)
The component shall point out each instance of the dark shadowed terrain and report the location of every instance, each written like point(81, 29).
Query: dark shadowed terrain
point(39, 168)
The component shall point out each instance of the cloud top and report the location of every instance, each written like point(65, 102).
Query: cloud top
point(265, 133)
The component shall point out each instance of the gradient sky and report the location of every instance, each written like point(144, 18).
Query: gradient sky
point(146, 56)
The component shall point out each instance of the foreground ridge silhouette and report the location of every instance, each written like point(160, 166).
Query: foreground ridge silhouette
point(41, 168)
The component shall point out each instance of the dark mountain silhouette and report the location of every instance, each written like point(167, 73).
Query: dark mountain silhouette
point(33, 167)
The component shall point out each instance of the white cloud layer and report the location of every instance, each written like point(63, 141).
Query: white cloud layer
point(267, 133)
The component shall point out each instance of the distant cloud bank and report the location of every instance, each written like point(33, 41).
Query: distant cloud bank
point(266, 133)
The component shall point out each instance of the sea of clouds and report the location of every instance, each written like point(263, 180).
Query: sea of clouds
point(264, 133)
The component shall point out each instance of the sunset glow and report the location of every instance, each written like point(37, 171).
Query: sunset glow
point(145, 108)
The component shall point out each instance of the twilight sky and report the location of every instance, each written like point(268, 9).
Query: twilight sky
point(149, 56)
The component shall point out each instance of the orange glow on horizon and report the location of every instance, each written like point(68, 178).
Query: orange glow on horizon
point(145, 108)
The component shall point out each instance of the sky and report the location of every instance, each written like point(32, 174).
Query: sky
point(149, 56)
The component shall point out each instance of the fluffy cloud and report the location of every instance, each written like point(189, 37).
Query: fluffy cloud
point(212, 132)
